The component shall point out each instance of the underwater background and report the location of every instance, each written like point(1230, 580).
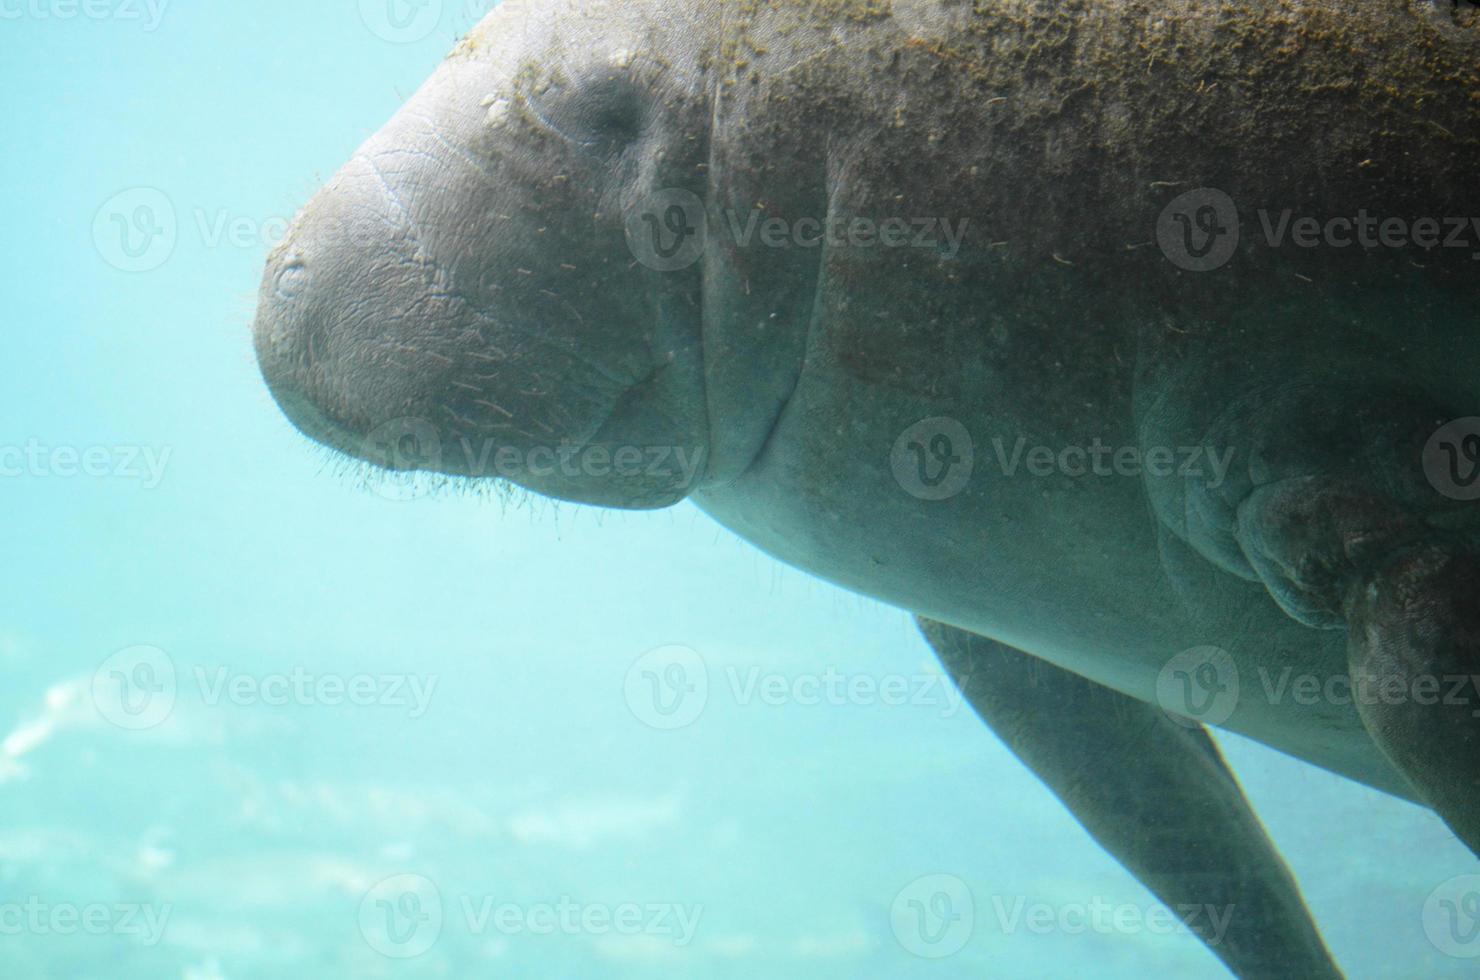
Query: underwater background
point(263, 715)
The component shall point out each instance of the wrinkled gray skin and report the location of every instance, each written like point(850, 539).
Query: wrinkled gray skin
point(479, 269)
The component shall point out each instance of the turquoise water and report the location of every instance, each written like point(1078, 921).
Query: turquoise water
point(349, 687)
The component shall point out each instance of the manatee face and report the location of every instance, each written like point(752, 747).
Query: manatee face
point(461, 296)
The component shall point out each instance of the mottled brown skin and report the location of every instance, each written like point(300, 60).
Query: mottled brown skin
point(471, 268)
point(1063, 321)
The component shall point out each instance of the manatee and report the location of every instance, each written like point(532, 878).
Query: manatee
point(1128, 344)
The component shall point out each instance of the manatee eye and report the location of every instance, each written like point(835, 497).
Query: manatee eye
point(601, 111)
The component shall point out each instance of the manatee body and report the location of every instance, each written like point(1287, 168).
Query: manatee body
point(1109, 338)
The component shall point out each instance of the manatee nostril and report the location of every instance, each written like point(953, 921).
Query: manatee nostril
point(281, 323)
point(291, 279)
point(284, 333)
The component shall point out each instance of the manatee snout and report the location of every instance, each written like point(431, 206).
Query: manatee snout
point(320, 313)
point(466, 278)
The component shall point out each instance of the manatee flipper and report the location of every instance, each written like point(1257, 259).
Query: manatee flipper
point(1346, 500)
point(1407, 589)
point(1153, 792)
point(1337, 517)
point(1414, 631)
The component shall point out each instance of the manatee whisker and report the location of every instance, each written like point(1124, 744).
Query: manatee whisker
point(494, 408)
